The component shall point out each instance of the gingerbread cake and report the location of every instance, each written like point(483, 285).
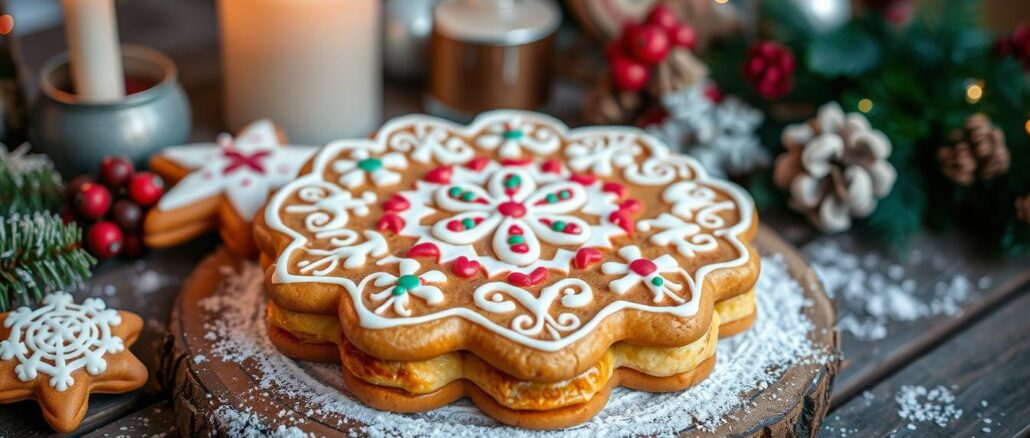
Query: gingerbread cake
point(526, 266)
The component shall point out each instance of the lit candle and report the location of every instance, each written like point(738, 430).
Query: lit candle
point(312, 66)
point(96, 60)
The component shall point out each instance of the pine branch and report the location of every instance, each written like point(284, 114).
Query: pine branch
point(28, 182)
point(39, 253)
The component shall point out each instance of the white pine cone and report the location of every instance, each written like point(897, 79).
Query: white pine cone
point(835, 167)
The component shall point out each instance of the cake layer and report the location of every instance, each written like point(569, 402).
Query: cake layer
point(428, 376)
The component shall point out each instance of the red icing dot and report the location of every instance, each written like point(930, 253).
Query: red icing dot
point(586, 257)
point(396, 203)
point(643, 267)
point(623, 221)
point(390, 222)
point(455, 226)
point(440, 175)
point(571, 228)
point(523, 280)
point(583, 179)
point(520, 248)
point(465, 268)
point(614, 187)
point(551, 166)
point(478, 164)
point(517, 162)
point(515, 230)
point(512, 209)
point(426, 249)
point(631, 206)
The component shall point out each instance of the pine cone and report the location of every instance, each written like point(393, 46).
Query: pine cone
point(1023, 209)
point(607, 105)
point(679, 71)
point(835, 167)
point(978, 148)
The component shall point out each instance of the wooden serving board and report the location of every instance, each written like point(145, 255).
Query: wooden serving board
point(202, 385)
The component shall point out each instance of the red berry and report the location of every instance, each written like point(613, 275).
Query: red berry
point(127, 215)
point(72, 189)
point(650, 44)
point(663, 16)
point(115, 171)
point(684, 36)
point(133, 246)
point(104, 240)
point(769, 69)
point(92, 201)
point(146, 188)
point(628, 74)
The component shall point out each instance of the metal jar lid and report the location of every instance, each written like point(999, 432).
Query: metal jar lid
point(497, 22)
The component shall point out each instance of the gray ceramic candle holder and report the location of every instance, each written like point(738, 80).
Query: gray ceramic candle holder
point(78, 135)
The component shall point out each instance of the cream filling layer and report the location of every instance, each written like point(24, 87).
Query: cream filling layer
point(738, 307)
point(427, 376)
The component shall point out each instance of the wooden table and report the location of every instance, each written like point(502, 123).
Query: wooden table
point(978, 351)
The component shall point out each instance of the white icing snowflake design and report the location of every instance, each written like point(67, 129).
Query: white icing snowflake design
point(246, 169)
point(59, 338)
point(694, 223)
point(362, 166)
point(520, 198)
point(639, 270)
point(426, 141)
point(409, 283)
point(515, 211)
point(511, 136)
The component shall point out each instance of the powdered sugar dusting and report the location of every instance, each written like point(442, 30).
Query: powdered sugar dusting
point(746, 364)
point(918, 405)
point(873, 291)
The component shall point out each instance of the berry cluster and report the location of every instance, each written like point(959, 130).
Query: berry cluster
point(642, 45)
point(1018, 44)
point(111, 207)
point(770, 69)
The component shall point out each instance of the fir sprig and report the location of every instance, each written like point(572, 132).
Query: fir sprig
point(28, 182)
point(38, 254)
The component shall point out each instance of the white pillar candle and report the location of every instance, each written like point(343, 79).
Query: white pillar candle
point(312, 66)
point(96, 59)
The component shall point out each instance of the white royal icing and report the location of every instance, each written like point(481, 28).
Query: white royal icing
point(245, 169)
point(59, 338)
point(323, 207)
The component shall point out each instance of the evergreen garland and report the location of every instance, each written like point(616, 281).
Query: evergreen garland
point(28, 182)
point(916, 77)
point(39, 253)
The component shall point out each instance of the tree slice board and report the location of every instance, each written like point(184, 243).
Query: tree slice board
point(205, 387)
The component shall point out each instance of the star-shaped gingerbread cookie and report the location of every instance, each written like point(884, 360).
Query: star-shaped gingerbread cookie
point(61, 352)
point(221, 185)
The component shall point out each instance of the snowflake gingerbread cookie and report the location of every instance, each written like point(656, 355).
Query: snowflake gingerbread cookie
point(221, 185)
point(62, 352)
point(513, 261)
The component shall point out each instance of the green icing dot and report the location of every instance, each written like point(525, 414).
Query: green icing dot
point(398, 291)
point(512, 134)
point(551, 198)
point(370, 164)
point(408, 282)
point(515, 239)
point(564, 194)
point(468, 196)
point(657, 281)
point(454, 192)
point(512, 181)
point(468, 223)
point(558, 226)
